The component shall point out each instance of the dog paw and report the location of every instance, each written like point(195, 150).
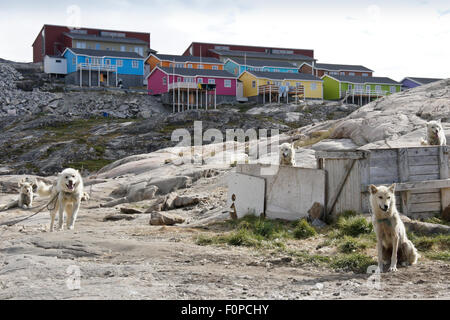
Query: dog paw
point(70, 227)
point(392, 268)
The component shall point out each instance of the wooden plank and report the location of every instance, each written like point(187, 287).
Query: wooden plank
point(423, 151)
point(423, 160)
point(383, 180)
point(419, 185)
point(424, 169)
point(403, 175)
point(425, 207)
point(364, 171)
point(384, 162)
point(423, 177)
point(341, 154)
point(340, 185)
point(383, 153)
point(389, 172)
point(443, 171)
point(405, 202)
point(425, 197)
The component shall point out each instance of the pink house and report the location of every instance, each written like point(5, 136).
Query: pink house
point(162, 80)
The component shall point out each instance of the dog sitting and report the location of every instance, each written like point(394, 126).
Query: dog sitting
point(392, 241)
point(435, 134)
point(287, 154)
point(26, 194)
point(68, 191)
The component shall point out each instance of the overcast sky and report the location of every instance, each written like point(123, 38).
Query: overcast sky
point(394, 38)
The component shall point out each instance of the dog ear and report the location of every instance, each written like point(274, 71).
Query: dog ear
point(372, 189)
point(392, 188)
point(439, 121)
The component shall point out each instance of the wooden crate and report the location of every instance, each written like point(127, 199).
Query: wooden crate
point(421, 175)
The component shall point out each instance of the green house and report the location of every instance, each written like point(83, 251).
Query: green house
point(358, 88)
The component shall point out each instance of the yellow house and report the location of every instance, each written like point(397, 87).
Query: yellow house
point(253, 79)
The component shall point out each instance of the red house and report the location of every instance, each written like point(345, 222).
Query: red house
point(53, 40)
point(207, 50)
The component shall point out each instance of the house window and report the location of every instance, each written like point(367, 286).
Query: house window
point(139, 51)
point(97, 46)
point(368, 88)
point(108, 61)
point(378, 88)
point(392, 89)
point(164, 81)
point(278, 83)
point(179, 79)
point(200, 66)
point(119, 63)
point(135, 64)
point(365, 74)
point(227, 84)
point(215, 67)
point(334, 73)
point(342, 73)
point(58, 61)
point(359, 87)
point(253, 84)
point(179, 65)
point(351, 73)
point(313, 86)
point(211, 81)
point(189, 66)
point(350, 87)
point(200, 80)
point(81, 45)
point(74, 60)
point(97, 61)
point(122, 48)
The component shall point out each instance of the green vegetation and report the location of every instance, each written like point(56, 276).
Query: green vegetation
point(353, 225)
point(356, 262)
point(303, 230)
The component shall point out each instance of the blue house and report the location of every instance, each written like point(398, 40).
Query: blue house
point(87, 67)
point(237, 66)
point(412, 82)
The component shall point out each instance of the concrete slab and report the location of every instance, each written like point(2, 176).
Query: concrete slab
point(248, 194)
point(290, 191)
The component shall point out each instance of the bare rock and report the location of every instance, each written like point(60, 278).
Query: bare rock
point(316, 212)
point(126, 210)
point(166, 219)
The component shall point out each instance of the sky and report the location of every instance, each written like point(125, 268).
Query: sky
point(394, 38)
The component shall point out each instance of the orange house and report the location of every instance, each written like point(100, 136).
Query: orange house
point(189, 62)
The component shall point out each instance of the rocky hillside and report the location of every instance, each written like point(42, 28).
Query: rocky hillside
point(44, 131)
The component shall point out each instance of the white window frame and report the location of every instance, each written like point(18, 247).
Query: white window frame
point(392, 89)
point(200, 66)
point(351, 73)
point(199, 80)
point(97, 46)
point(108, 62)
point(378, 88)
point(189, 66)
point(365, 74)
point(81, 45)
point(227, 83)
point(135, 64)
point(313, 86)
point(342, 73)
point(368, 89)
point(123, 48)
point(253, 84)
point(215, 67)
point(164, 81)
point(211, 81)
point(119, 63)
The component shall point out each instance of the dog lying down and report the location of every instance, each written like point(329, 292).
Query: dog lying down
point(68, 191)
point(392, 242)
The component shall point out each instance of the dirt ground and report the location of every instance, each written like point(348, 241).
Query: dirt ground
point(129, 259)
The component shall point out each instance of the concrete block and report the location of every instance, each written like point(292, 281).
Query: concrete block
point(245, 194)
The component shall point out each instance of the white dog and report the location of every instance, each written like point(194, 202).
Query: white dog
point(392, 241)
point(435, 134)
point(287, 154)
point(26, 194)
point(68, 191)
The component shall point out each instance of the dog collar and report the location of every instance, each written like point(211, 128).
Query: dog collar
point(385, 220)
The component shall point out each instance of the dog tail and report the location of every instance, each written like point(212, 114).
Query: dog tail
point(412, 253)
point(43, 190)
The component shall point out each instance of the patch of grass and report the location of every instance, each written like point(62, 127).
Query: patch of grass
point(351, 245)
point(356, 262)
point(437, 220)
point(429, 243)
point(313, 140)
point(90, 165)
point(303, 230)
point(353, 225)
point(304, 257)
point(443, 256)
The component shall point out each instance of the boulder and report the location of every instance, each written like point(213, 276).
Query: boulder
point(165, 219)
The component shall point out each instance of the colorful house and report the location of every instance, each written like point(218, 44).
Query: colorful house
point(255, 82)
point(412, 82)
point(357, 87)
point(238, 65)
point(87, 67)
point(321, 69)
point(188, 62)
point(187, 88)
